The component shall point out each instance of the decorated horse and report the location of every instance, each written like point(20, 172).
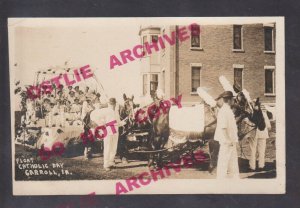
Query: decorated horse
point(126, 113)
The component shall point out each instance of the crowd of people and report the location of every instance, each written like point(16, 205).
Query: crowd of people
point(63, 106)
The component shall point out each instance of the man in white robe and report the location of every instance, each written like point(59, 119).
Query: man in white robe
point(104, 116)
point(226, 134)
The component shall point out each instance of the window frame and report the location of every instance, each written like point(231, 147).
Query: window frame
point(272, 68)
point(242, 39)
point(154, 35)
point(151, 82)
point(145, 84)
point(143, 44)
point(191, 74)
point(193, 48)
point(272, 26)
point(239, 66)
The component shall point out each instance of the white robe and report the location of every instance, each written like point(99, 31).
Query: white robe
point(102, 117)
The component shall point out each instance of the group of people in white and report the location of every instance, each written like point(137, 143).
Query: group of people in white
point(69, 106)
point(65, 106)
point(227, 135)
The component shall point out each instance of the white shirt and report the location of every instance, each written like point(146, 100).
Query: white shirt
point(226, 120)
point(54, 110)
point(75, 108)
point(102, 117)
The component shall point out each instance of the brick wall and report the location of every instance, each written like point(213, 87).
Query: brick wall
point(217, 58)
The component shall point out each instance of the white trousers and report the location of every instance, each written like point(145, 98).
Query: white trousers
point(110, 143)
point(257, 145)
point(227, 162)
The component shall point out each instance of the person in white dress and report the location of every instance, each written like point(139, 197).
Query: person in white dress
point(75, 110)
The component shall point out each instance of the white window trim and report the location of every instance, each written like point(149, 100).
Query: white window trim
point(196, 48)
point(269, 25)
point(239, 66)
point(273, 38)
point(147, 84)
point(242, 40)
point(269, 67)
point(196, 65)
point(271, 94)
point(143, 44)
point(163, 32)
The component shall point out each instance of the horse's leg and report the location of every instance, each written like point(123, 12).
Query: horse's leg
point(159, 160)
point(123, 150)
point(150, 161)
point(154, 157)
point(163, 140)
point(159, 157)
point(151, 156)
point(156, 146)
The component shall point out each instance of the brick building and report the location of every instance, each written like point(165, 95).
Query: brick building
point(244, 54)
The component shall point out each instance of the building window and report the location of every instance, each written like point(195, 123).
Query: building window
point(238, 79)
point(154, 38)
point(153, 83)
point(237, 37)
point(195, 78)
point(145, 84)
point(269, 39)
point(195, 36)
point(269, 81)
point(144, 41)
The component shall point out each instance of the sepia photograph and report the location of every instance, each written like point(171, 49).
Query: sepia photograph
point(147, 105)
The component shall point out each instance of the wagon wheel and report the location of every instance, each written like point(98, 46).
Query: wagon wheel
point(186, 148)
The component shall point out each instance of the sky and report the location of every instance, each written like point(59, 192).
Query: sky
point(35, 47)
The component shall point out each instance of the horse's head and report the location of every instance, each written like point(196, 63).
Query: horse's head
point(245, 108)
point(257, 117)
point(241, 107)
point(248, 108)
point(128, 109)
